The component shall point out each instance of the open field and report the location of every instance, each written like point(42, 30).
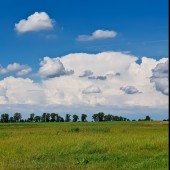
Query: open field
point(84, 146)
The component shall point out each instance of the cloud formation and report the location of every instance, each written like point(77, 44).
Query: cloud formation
point(98, 34)
point(20, 70)
point(160, 77)
point(129, 90)
point(86, 73)
point(73, 90)
point(91, 89)
point(97, 77)
point(53, 67)
point(21, 91)
point(35, 22)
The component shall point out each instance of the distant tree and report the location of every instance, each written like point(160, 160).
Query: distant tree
point(95, 117)
point(43, 117)
point(67, 119)
point(31, 117)
point(53, 117)
point(57, 117)
point(75, 118)
point(17, 117)
point(61, 119)
point(165, 119)
point(4, 118)
point(147, 118)
point(46, 117)
point(83, 117)
point(11, 119)
point(37, 118)
point(101, 116)
point(124, 119)
point(108, 117)
point(116, 118)
point(120, 118)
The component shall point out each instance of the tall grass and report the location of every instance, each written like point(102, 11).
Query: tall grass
point(84, 146)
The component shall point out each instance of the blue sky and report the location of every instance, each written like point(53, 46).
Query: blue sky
point(142, 28)
point(132, 35)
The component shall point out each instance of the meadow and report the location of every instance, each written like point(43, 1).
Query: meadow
point(84, 146)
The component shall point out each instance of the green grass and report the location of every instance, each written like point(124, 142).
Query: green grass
point(84, 146)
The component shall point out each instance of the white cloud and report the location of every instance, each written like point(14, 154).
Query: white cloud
point(160, 77)
point(21, 91)
point(53, 67)
point(112, 74)
point(91, 89)
point(97, 77)
point(86, 73)
point(74, 91)
point(24, 71)
point(35, 22)
point(129, 90)
point(16, 67)
point(98, 34)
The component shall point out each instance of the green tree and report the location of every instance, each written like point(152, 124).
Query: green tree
point(101, 116)
point(46, 117)
point(67, 119)
point(4, 118)
point(17, 117)
point(120, 118)
point(84, 118)
point(11, 119)
point(43, 117)
point(108, 117)
point(32, 117)
point(75, 118)
point(57, 117)
point(124, 119)
point(147, 118)
point(53, 117)
point(37, 118)
point(116, 118)
point(95, 117)
point(61, 119)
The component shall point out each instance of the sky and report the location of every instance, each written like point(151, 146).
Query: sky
point(84, 57)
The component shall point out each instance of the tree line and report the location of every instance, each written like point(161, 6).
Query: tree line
point(55, 117)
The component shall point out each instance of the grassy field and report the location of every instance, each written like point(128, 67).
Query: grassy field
point(84, 146)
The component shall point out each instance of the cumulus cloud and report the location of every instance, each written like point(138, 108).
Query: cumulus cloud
point(3, 97)
point(86, 73)
point(112, 74)
point(35, 22)
point(24, 71)
point(129, 90)
point(160, 77)
point(21, 91)
point(98, 34)
point(75, 91)
point(16, 67)
point(97, 77)
point(91, 89)
point(53, 67)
